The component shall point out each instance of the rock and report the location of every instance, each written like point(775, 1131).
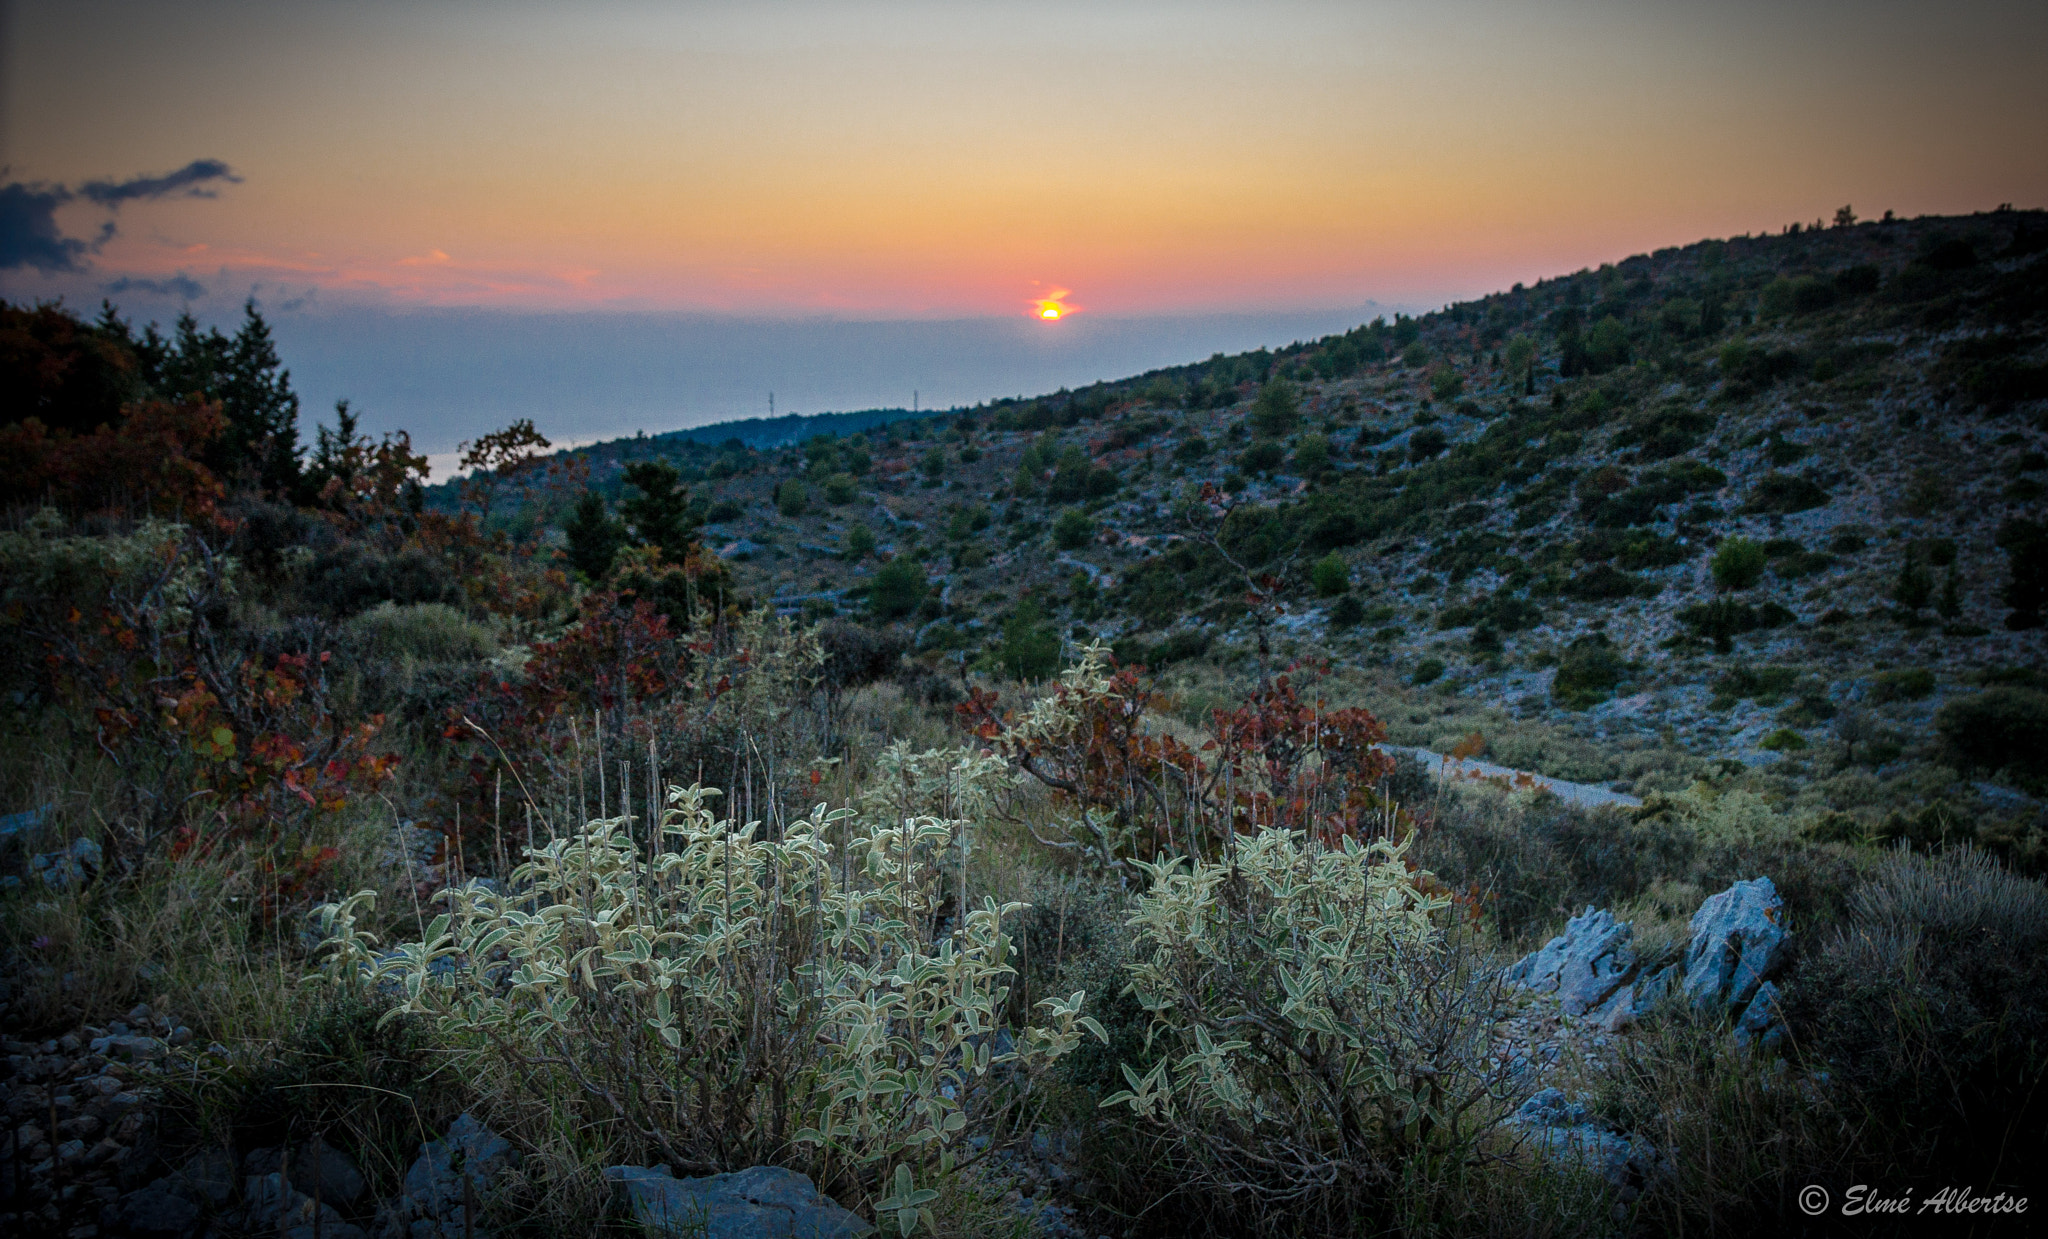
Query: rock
point(152, 1211)
point(273, 1206)
point(1584, 964)
point(762, 1202)
point(1762, 1023)
point(73, 866)
point(1738, 938)
point(1564, 1130)
point(318, 1164)
point(434, 1185)
point(207, 1177)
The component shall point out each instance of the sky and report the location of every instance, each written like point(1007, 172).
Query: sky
point(674, 208)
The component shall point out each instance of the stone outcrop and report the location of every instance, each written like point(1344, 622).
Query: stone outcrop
point(761, 1202)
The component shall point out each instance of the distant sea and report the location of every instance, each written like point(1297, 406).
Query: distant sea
point(450, 375)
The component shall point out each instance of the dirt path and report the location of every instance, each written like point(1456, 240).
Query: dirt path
point(1586, 795)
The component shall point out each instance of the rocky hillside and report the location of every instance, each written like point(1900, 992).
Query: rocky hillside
point(1738, 499)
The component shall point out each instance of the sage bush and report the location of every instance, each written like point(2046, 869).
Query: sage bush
point(735, 999)
point(1326, 1024)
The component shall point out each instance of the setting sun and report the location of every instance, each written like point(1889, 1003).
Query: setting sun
point(1053, 306)
point(1049, 309)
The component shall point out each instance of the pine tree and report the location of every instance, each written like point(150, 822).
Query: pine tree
point(594, 537)
point(659, 515)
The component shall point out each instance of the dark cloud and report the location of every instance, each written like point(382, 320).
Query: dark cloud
point(179, 285)
point(30, 237)
point(187, 179)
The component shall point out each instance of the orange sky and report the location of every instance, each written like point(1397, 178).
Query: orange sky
point(910, 160)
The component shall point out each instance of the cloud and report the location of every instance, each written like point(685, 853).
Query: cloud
point(31, 237)
point(179, 285)
point(188, 179)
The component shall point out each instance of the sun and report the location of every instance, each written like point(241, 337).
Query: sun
point(1051, 304)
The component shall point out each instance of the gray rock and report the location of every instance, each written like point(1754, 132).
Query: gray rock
point(1738, 938)
point(1762, 1023)
point(207, 1177)
point(1566, 1132)
point(320, 1165)
point(152, 1211)
point(1584, 964)
point(761, 1202)
point(72, 866)
point(471, 1152)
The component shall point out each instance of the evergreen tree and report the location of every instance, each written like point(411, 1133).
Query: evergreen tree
point(594, 537)
point(660, 514)
point(259, 442)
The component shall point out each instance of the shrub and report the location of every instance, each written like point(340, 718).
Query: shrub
point(859, 541)
point(1738, 563)
point(2025, 544)
point(428, 632)
point(1587, 674)
point(1323, 1031)
point(1263, 456)
point(1030, 649)
point(1348, 612)
point(792, 498)
point(723, 510)
point(1784, 493)
point(1277, 410)
point(1930, 1008)
point(1426, 444)
point(1330, 576)
point(1901, 684)
point(932, 464)
point(1073, 529)
point(840, 488)
point(1446, 383)
point(788, 996)
point(1428, 671)
point(1724, 619)
point(1999, 728)
point(1311, 455)
point(898, 588)
point(1783, 740)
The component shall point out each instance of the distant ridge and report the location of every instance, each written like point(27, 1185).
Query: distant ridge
point(763, 433)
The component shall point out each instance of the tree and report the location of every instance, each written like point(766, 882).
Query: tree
point(1738, 563)
point(1845, 217)
point(1277, 409)
point(594, 537)
point(898, 589)
point(1522, 361)
point(660, 514)
point(509, 455)
point(259, 442)
point(792, 498)
point(1446, 383)
point(860, 542)
point(2025, 544)
point(933, 464)
point(1311, 455)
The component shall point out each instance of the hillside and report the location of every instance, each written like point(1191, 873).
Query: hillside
point(1526, 495)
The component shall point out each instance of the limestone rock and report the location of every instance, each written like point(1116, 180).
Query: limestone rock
point(1584, 964)
point(761, 1202)
point(1738, 938)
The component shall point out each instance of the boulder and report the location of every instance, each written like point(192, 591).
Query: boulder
point(1584, 965)
point(1738, 938)
point(152, 1212)
point(463, 1165)
point(207, 1178)
point(320, 1165)
point(70, 867)
point(1565, 1131)
point(761, 1202)
point(1762, 1022)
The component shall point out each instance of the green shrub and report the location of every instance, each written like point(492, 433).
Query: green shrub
point(1446, 383)
point(1331, 576)
point(1428, 671)
point(1277, 410)
point(1311, 455)
point(2025, 544)
point(1783, 740)
point(1588, 673)
point(1999, 728)
point(1738, 563)
point(858, 542)
point(1348, 612)
point(723, 510)
point(1426, 444)
point(1784, 493)
point(787, 995)
point(1901, 684)
point(792, 498)
point(1724, 619)
point(840, 488)
point(898, 588)
point(1073, 529)
point(1030, 649)
point(932, 464)
point(1263, 456)
point(426, 631)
